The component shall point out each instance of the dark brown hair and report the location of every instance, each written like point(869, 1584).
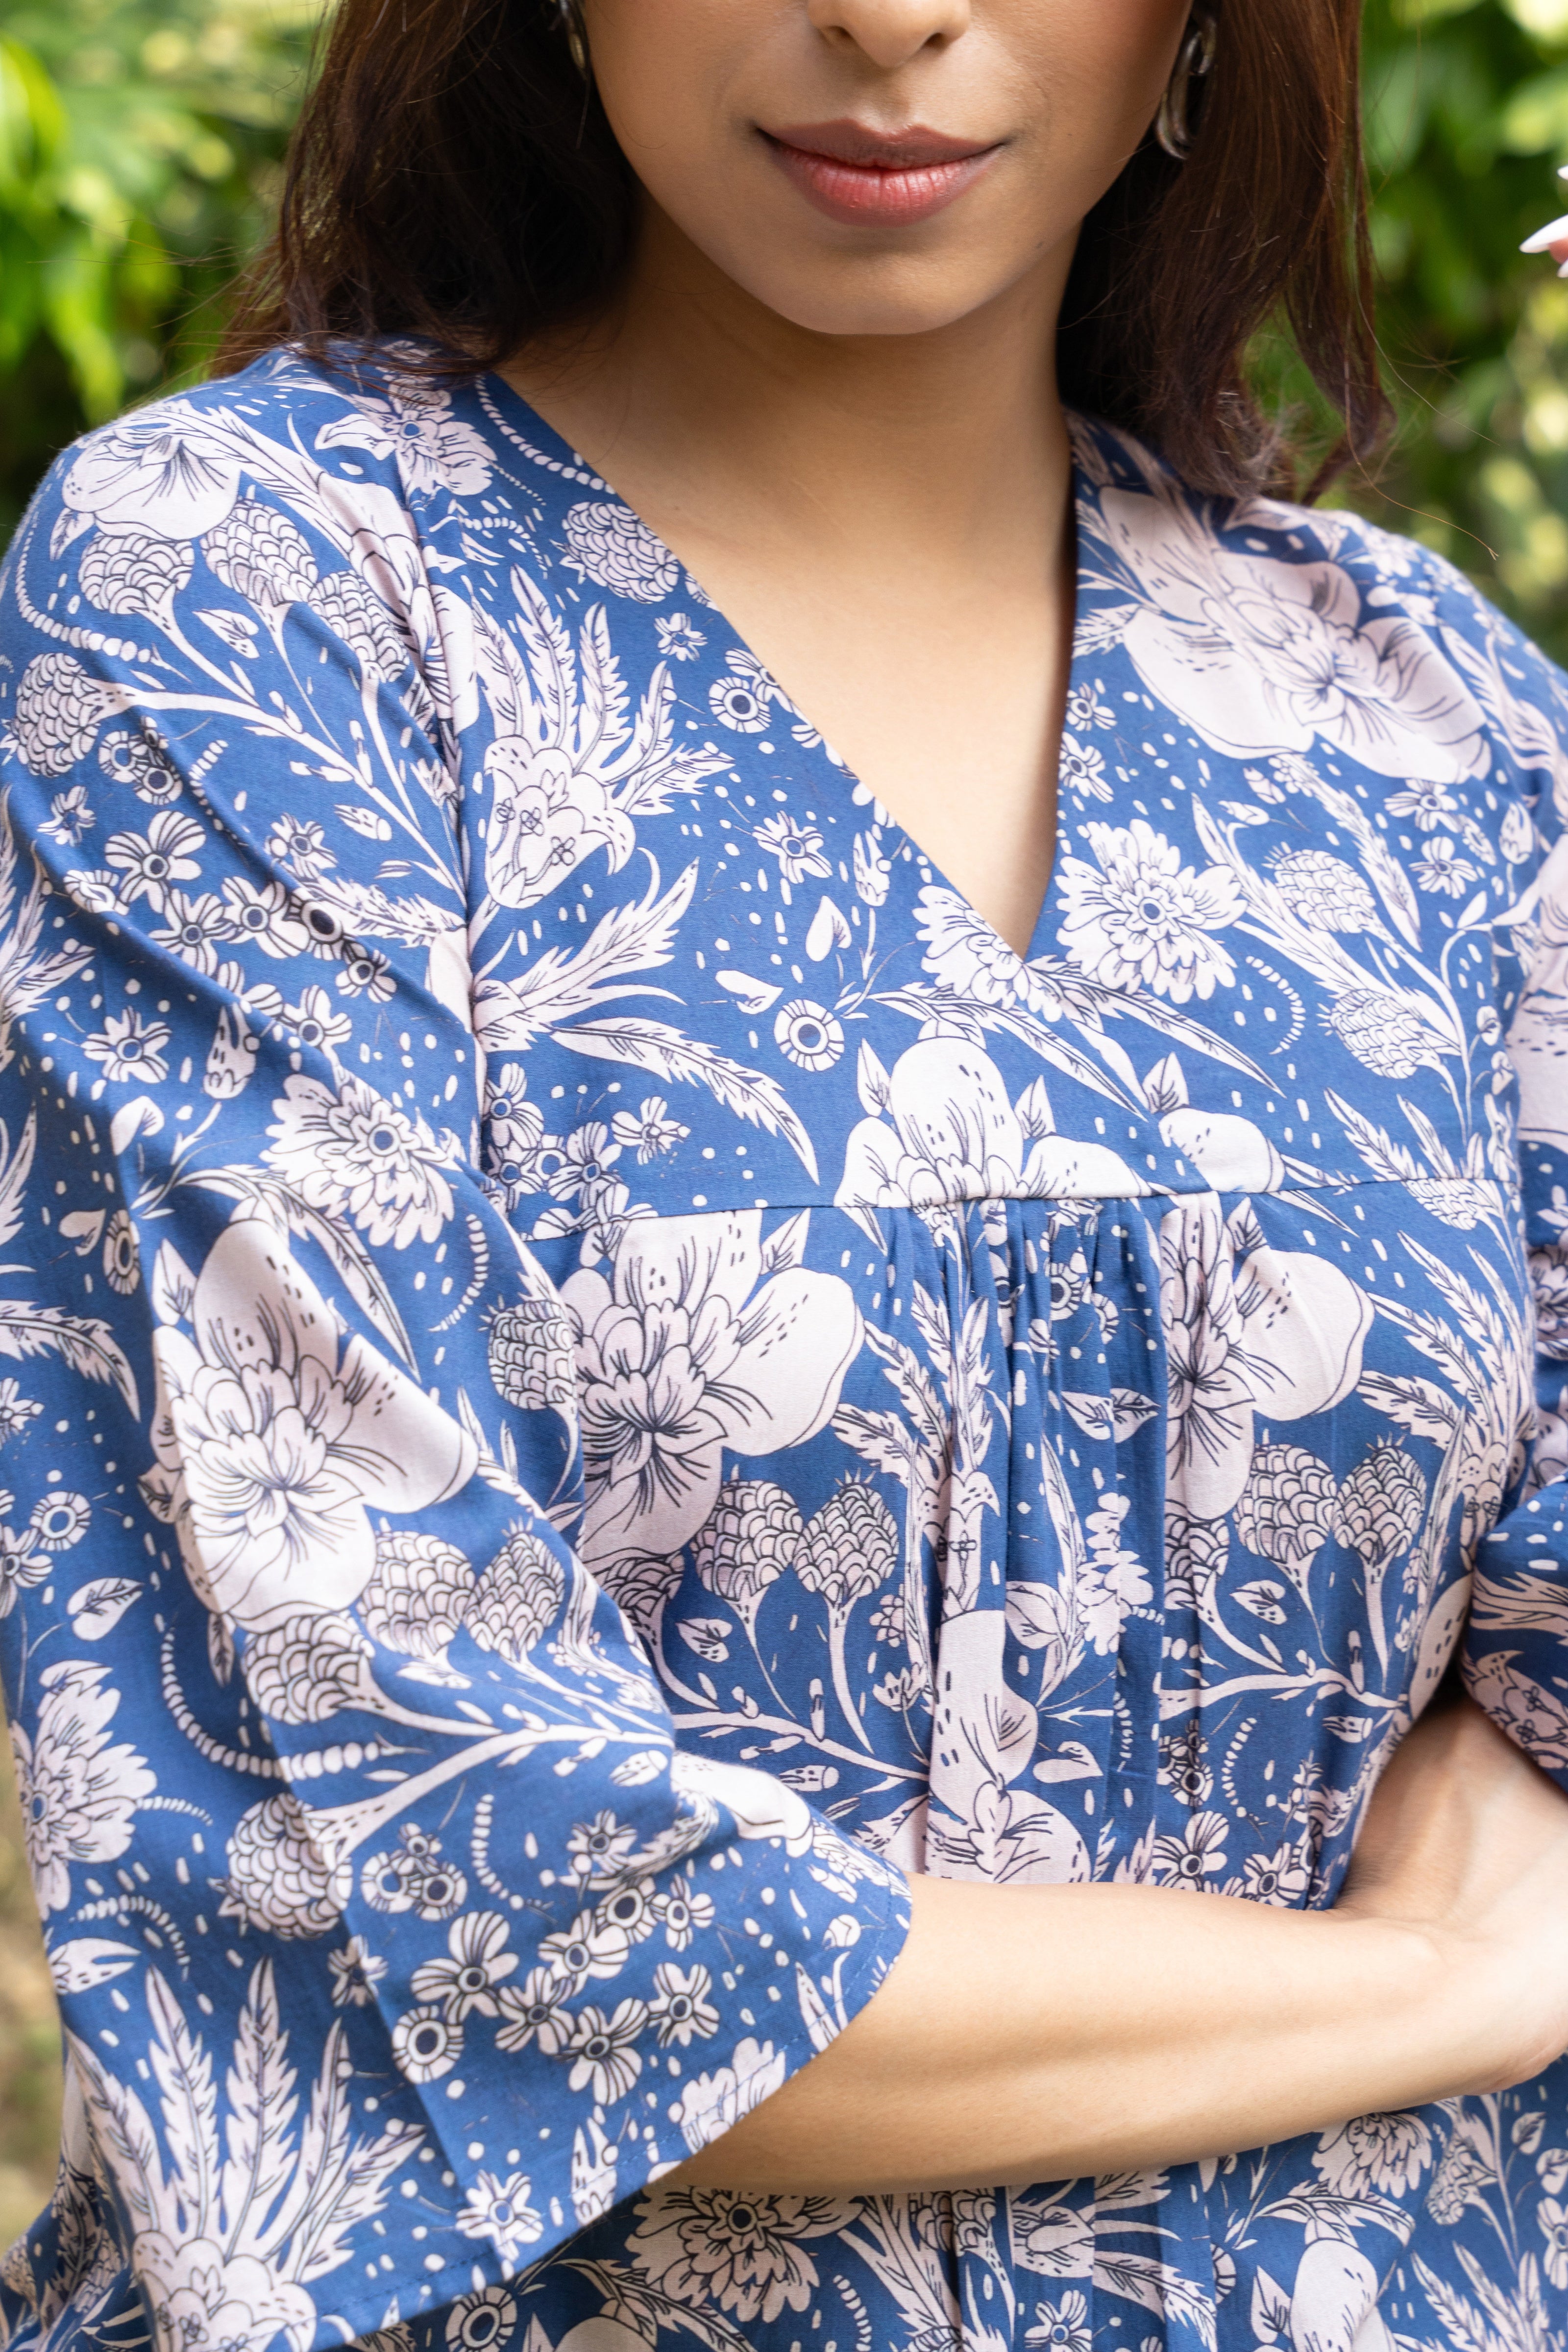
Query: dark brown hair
point(453, 179)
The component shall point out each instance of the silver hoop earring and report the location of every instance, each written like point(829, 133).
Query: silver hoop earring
point(1172, 124)
point(569, 17)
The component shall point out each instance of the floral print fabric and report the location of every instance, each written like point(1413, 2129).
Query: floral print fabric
point(597, 1369)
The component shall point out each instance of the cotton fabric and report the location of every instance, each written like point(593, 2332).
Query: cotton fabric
point(599, 1369)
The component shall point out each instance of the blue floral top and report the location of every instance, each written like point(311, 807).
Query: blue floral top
point(597, 1369)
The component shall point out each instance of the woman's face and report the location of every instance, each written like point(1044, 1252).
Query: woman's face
point(761, 130)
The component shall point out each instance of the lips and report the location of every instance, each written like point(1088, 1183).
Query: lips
point(866, 177)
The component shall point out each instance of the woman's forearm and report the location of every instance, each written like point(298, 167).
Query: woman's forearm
point(1039, 2034)
point(1045, 2032)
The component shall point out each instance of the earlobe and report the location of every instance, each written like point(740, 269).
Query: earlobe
point(1194, 62)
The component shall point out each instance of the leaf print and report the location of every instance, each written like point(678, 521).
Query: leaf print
point(844, 1459)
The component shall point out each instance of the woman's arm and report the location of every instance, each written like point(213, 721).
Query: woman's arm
point(1044, 2032)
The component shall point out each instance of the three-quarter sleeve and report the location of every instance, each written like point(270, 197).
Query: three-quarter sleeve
point(1516, 1642)
point(395, 1938)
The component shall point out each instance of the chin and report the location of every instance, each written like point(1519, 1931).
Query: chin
point(895, 297)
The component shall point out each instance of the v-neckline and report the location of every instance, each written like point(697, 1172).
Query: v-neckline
point(558, 455)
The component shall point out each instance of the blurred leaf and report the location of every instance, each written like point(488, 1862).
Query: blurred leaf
point(141, 150)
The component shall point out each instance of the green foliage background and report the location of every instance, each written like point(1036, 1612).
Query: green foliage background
point(139, 146)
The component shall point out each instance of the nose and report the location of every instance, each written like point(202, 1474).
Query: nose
point(890, 32)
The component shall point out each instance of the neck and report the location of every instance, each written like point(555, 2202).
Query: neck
point(953, 439)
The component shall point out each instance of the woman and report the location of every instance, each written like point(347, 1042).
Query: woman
point(696, 1419)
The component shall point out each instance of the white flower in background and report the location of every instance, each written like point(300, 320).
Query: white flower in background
point(426, 2044)
point(681, 2010)
point(79, 1790)
point(355, 1971)
point(604, 2061)
point(274, 1436)
point(477, 1964)
point(1442, 869)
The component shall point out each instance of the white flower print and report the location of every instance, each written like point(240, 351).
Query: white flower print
point(797, 848)
point(691, 1350)
point(193, 928)
point(1142, 919)
point(683, 1912)
point(1061, 2326)
point(604, 2061)
point(478, 1962)
point(355, 1153)
point(678, 638)
point(1280, 1334)
point(198, 2294)
point(314, 1024)
point(1082, 770)
point(15, 1410)
point(414, 424)
point(807, 1034)
point(590, 1947)
point(650, 1131)
point(743, 2252)
point(737, 703)
point(1383, 2154)
point(482, 2321)
point(534, 2012)
point(681, 2010)
point(1443, 869)
point(1195, 1853)
point(964, 954)
point(69, 818)
point(128, 1047)
point(1426, 800)
point(273, 1437)
point(954, 1136)
point(151, 862)
point(1258, 654)
point(265, 915)
point(79, 1790)
point(499, 2210)
point(356, 1971)
point(173, 472)
point(426, 2044)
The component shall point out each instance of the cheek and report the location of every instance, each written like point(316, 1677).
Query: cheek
point(667, 72)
